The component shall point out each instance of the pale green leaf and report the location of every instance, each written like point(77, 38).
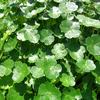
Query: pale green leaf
point(85, 65)
point(87, 21)
point(8, 64)
point(54, 12)
point(2, 70)
point(58, 1)
point(52, 72)
point(28, 33)
point(59, 51)
point(71, 6)
point(20, 71)
point(72, 33)
point(67, 80)
point(37, 72)
point(46, 36)
point(33, 58)
point(79, 54)
point(48, 91)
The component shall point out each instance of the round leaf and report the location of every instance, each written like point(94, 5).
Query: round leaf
point(67, 80)
point(93, 45)
point(59, 51)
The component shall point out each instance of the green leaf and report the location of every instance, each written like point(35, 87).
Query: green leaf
point(72, 94)
point(65, 25)
point(97, 7)
point(67, 8)
point(58, 1)
point(97, 57)
point(67, 80)
point(79, 54)
point(49, 49)
point(50, 60)
point(28, 33)
point(14, 95)
point(71, 29)
point(42, 1)
point(96, 73)
point(87, 1)
point(2, 70)
point(50, 67)
point(10, 44)
point(93, 45)
point(8, 64)
point(37, 72)
point(71, 6)
point(52, 72)
point(33, 58)
point(46, 36)
point(87, 21)
point(72, 33)
point(94, 95)
point(20, 71)
point(48, 91)
point(85, 65)
point(2, 96)
point(54, 12)
point(59, 51)
point(33, 12)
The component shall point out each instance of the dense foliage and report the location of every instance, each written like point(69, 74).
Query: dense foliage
point(49, 50)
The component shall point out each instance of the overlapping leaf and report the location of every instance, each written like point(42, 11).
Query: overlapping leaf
point(20, 71)
point(46, 36)
point(28, 33)
point(85, 65)
point(67, 80)
point(48, 91)
point(59, 51)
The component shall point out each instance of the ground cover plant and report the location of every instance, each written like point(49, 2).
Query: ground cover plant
point(49, 50)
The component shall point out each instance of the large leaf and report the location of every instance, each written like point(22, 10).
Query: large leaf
point(2, 70)
point(33, 58)
point(50, 67)
point(52, 72)
point(20, 71)
point(28, 33)
point(71, 6)
point(87, 21)
point(67, 80)
point(10, 44)
point(48, 91)
point(72, 94)
point(2, 96)
point(93, 45)
point(65, 25)
point(54, 12)
point(46, 36)
point(37, 72)
point(71, 29)
point(77, 55)
point(59, 51)
point(8, 64)
point(14, 95)
point(85, 65)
